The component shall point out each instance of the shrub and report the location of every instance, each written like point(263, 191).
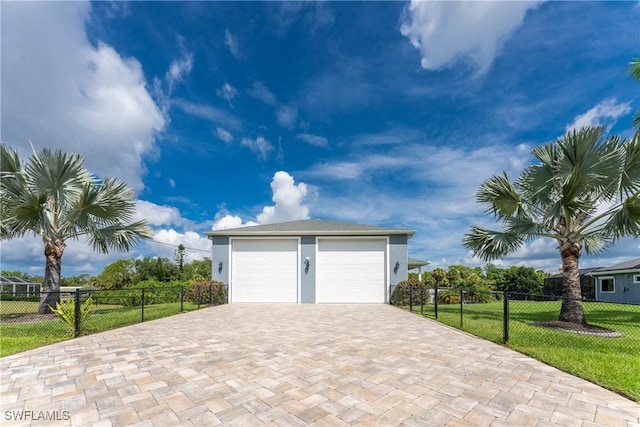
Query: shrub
point(66, 310)
point(207, 292)
point(448, 296)
point(400, 295)
point(8, 296)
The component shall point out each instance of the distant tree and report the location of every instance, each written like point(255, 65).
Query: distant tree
point(117, 275)
point(494, 276)
point(160, 269)
point(80, 280)
point(522, 280)
point(200, 268)
point(440, 277)
point(54, 197)
point(179, 256)
point(584, 193)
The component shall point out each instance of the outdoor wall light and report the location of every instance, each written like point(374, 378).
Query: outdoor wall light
point(397, 267)
point(307, 261)
point(220, 267)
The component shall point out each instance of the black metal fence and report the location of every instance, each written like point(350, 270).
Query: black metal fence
point(517, 318)
point(86, 310)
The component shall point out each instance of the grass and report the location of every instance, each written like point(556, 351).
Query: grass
point(613, 363)
point(17, 337)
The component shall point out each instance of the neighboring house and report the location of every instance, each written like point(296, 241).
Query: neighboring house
point(310, 261)
point(619, 283)
point(18, 286)
point(553, 284)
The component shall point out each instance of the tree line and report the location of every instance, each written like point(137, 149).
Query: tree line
point(490, 278)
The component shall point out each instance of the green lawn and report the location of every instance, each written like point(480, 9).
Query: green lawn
point(17, 337)
point(613, 363)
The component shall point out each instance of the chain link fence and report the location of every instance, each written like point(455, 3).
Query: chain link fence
point(521, 318)
point(87, 310)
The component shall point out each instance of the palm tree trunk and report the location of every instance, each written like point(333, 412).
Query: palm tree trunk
point(50, 292)
point(571, 310)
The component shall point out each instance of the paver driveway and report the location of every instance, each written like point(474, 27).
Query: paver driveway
point(296, 365)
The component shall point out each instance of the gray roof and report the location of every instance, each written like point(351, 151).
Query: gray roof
point(625, 267)
point(581, 272)
point(316, 227)
point(416, 263)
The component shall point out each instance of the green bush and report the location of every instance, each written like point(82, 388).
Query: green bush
point(66, 310)
point(400, 295)
point(207, 292)
point(8, 296)
point(448, 296)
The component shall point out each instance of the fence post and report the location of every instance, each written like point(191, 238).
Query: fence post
point(461, 303)
point(142, 305)
point(181, 298)
point(435, 300)
point(410, 298)
point(210, 295)
point(505, 318)
point(76, 314)
point(422, 300)
point(199, 290)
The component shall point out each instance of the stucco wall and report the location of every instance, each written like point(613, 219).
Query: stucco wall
point(397, 253)
point(626, 290)
point(220, 253)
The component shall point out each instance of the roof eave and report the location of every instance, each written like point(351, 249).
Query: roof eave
point(248, 233)
point(610, 272)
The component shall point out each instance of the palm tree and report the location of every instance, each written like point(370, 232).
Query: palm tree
point(584, 193)
point(53, 196)
point(634, 72)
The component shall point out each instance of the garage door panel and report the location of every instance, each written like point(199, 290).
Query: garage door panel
point(264, 270)
point(351, 270)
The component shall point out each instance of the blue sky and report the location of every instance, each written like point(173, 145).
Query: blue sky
point(222, 114)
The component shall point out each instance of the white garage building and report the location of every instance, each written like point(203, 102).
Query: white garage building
point(310, 261)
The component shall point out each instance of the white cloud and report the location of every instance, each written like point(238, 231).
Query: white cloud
point(197, 246)
point(231, 41)
point(286, 116)
point(157, 215)
point(446, 31)
point(605, 113)
point(260, 146)
point(315, 140)
point(224, 135)
point(335, 170)
point(178, 70)
point(288, 200)
point(227, 92)
point(172, 183)
point(261, 92)
point(223, 222)
point(66, 93)
point(208, 112)
point(289, 205)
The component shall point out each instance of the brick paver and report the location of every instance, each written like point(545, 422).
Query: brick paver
point(287, 365)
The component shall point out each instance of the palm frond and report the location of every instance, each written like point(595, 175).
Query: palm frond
point(630, 174)
point(634, 69)
point(57, 174)
point(596, 243)
point(625, 220)
point(490, 245)
point(500, 195)
point(120, 236)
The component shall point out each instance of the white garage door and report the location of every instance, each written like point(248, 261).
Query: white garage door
point(351, 270)
point(264, 270)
